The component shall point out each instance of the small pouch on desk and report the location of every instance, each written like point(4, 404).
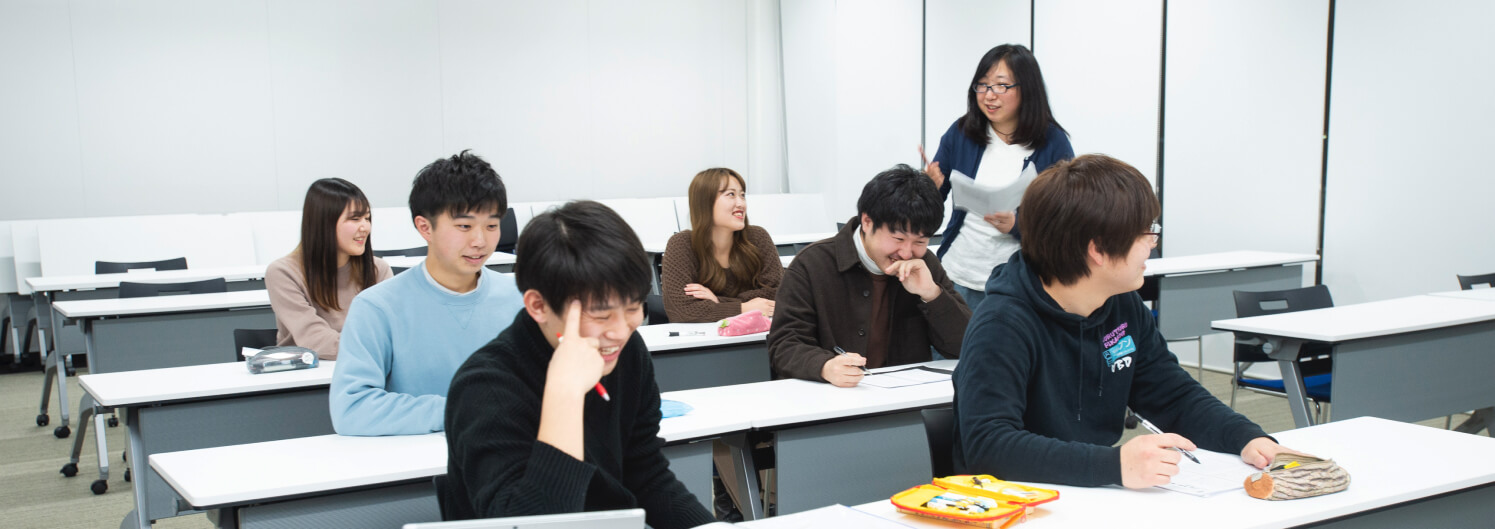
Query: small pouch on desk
point(750, 322)
point(1294, 476)
point(973, 500)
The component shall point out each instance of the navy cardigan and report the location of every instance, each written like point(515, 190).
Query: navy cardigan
point(959, 153)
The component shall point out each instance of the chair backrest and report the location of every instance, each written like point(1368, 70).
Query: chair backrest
point(1469, 282)
point(508, 232)
point(939, 428)
point(654, 310)
point(129, 289)
point(418, 250)
point(253, 338)
point(110, 267)
point(1249, 304)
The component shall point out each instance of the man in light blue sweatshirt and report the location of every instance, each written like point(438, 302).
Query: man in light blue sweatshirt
point(405, 337)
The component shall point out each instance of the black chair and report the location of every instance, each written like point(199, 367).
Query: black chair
point(939, 428)
point(654, 310)
point(109, 267)
point(1314, 360)
point(1469, 282)
point(508, 232)
point(253, 339)
point(416, 251)
point(129, 289)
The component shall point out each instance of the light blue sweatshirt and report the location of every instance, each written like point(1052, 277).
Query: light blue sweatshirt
point(401, 344)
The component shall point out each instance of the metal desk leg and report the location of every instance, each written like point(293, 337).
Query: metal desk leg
point(1285, 351)
point(746, 472)
point(138, 469)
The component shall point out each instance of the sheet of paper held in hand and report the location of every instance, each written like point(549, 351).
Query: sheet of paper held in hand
point(905, 377)
point(1215, 473)
point(984, 200)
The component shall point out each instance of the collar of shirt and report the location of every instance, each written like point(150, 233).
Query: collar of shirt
point(867, 261)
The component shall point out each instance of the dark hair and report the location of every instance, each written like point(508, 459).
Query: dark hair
point(903, 199)
point(1033, 113)
point(743, 261)
point(325, 201)
point(582, 250)
point(1093, 198)
point(457, 185)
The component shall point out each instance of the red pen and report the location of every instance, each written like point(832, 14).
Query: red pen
point(601, 391)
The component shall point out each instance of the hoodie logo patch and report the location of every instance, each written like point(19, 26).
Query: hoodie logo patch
point(1119, 347)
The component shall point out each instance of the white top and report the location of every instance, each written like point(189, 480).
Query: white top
point(712, 415)
point(409, 261)
point(238, 474)
point(1483, 294)
point(91, 281)
point(1212, 262)
point(980, 247)
point(657, 337)
point(96, 308)
point(1365, 320)
point(150, 386)
point(1374, 452)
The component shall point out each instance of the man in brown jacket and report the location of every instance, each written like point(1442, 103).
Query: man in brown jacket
point(872, 290)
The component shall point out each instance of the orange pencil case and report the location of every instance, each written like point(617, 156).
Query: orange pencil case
point(983, 500)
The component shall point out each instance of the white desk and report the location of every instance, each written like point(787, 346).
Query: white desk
point(1406, 359)
point(1197, 289)
point(1448, 486)
point(1483, 294)
point(92, 281)
point(187, 408)
point(499, 261)
point(690, 362)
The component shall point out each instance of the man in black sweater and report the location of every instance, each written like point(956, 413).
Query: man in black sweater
point(1063, 345)
point(530, 427)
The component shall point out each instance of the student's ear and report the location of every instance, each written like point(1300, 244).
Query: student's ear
point(1095, 257)
point(866, 224)
point(535, 305)
point(424, 226)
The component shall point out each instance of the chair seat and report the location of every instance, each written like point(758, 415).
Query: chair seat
point(1318, 386)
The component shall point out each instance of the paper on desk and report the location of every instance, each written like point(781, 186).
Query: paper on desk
point(905, 377)
point(984, 200)
point(1215, 473)
point(833, 516)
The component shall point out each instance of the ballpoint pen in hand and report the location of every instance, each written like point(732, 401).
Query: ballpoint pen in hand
point(1155, 430)
point(842, 352)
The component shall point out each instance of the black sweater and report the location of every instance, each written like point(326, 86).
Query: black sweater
point(496, 467)
point(1041, 394)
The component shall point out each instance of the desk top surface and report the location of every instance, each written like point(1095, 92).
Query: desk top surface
point(152, 386)
point(1222, 261)
point(1366, 320)
point(1369, 448)
point(657, 337)
point(790, 401)
point(409, 261)
point(98, 308)
point(1483, 294)
point(89, 281)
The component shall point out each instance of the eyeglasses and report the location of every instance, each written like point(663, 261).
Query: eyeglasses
point(982, 88)
point(1154, 233)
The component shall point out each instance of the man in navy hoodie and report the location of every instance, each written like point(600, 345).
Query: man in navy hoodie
point(1063, 345)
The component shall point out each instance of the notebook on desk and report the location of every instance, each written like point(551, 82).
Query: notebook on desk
point(623, 519)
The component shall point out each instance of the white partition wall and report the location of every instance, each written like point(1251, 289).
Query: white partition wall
point(957, 34)
point(852, 92)
point(1409, 183)
point(1101, 61)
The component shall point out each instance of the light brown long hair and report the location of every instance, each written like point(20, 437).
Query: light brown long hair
point(325, 201)
point(743, 262)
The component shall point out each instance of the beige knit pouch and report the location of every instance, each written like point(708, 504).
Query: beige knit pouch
point(1293, 476)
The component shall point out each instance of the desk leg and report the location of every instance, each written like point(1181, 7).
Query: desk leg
point(138, 469)
point(745, 472)
point(59, 362)
point(1285, 350)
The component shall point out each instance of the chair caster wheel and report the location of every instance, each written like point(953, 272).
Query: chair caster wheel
point(72, 372)
point(1131, 422)
point(99, 487)
point(62, 432)
point(113, 422)
point(124, 456)
point(127, 475)
point(43, 420)
point(70, 469)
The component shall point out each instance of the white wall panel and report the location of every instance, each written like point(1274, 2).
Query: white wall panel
point(39, 149)
point(1101, 61)
point(957, 34)
point(1408, 186)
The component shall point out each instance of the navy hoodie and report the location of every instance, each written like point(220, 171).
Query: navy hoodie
point(1041, 394)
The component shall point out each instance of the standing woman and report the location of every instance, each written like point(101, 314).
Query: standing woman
point(1007, 136)
point(721, 267)
point(310, 289)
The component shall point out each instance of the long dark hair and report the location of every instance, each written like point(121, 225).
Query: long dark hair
point(743, 261)
point(1033, 113)
point(325, 201)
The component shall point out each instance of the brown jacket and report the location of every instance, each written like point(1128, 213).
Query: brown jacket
point(679, 269)
point(822, 304)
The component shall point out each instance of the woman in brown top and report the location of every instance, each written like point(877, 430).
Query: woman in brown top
point(720, 267)
point(310, 289)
